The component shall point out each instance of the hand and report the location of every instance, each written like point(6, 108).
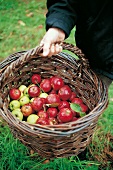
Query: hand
point(51, 42)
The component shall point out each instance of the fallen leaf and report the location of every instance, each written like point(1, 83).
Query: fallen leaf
point(30, 14)
point(40, 26)
point(111, 99)
point(21, 23)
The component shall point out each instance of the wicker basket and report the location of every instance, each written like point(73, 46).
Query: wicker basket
point(57, 140)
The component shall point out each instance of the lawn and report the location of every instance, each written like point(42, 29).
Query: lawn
point(22, 26)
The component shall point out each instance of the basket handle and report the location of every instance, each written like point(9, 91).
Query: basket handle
point(38, 50)
point(10, 63)
point(73, 49)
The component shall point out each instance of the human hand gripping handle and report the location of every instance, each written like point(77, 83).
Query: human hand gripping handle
point(51, 42)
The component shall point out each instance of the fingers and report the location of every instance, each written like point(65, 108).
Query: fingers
point(49, 50)
point(46, 49)
point(50, 42)
point(54, 49)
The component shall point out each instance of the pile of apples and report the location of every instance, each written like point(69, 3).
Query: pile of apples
point(47, 101)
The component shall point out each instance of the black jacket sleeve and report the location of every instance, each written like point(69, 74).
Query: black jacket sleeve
point(61, 14)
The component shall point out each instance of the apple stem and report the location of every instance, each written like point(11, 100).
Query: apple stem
point(40, 87)
point(44, 106)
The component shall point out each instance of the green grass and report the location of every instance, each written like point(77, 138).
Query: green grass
point(18, 30)
point(22, 26)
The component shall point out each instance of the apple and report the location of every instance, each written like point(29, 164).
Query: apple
point(37, 103)
point(22, 94)
point(14, 93)
point(63, 104)
point(31, 100)
point(32, 118)
point(75, 118)
point(17, 113)
point(77, 100)
point(84, 108)
point(14, 104)
point(53, 91)
point(43, 95)
point(65, 115)
point(42, 121)
point(36, 79)
point(42, 113)
point(65, 92)
point(31, 85)
point(73, 95)
point(74, 112)
point(52, 112)
point(45, 85)
point(53, 100)
point(53, 121)
point(27, 109)
point(26, 92)
point(57, 82)
point(22, 88)
point(24, 100)
point(34, 91)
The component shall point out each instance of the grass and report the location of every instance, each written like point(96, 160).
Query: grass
point(22, 26)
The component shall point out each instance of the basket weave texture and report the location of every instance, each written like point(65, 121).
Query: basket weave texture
point(61, 140)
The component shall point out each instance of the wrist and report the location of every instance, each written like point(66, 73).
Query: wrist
point(61, 33)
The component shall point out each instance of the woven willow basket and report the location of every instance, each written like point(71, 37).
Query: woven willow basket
point(61, 140)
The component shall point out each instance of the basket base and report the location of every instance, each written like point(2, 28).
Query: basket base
point(56, 147)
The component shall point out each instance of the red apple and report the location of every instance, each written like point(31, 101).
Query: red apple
point(63, 104)
point(14, 93)
point(74, 113)
point(73, 95)
point(45, 85)
point(27, 109)
point(51, 78)
point(65, 92)
point(84, 108)
point(53, 121)
point(75, 118)
point(53, 100)
point(52, 111)
point(77, 100)
point(34, 91)
point(65, 115)
point(53, 91)
point(42, 121)
point(57, 82)
point(43, 114)
point(36, 79)
point(37, 103)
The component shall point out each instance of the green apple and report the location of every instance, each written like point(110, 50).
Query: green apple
point(32, 118)
point(18, 114)
point(31, 100)
point(21, 95)
point(24, 100)
point(26, 92)
point(43, 95)
point(14, 104)
point(22, 88)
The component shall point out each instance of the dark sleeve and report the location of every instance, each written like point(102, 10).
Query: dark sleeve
point(61, 14)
